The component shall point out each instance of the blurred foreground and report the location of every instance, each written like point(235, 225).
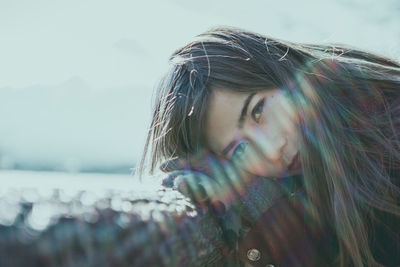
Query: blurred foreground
point(113, 222)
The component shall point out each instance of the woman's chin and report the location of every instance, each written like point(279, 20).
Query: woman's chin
point(270, 174)
point(277, 175)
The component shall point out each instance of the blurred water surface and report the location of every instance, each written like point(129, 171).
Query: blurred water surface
point(72, 183)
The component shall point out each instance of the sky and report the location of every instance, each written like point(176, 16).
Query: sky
point(77, 77)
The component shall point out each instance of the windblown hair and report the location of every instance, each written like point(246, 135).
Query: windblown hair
point(349, 103)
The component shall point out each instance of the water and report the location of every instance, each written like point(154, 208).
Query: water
point(72, 182)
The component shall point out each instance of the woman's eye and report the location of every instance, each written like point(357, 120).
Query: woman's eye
point(239, 150)
point(258, 110)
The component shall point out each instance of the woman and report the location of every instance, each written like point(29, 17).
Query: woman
point(274, 109)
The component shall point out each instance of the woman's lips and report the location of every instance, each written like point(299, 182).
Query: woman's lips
point(295, 164)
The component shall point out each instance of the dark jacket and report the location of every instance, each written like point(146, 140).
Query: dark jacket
point(275, 229)
point(283, 235)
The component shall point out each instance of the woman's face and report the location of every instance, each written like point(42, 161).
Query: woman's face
point(257, 130)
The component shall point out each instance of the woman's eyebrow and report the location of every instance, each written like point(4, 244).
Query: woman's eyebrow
point(243, 114)
point(242, 118)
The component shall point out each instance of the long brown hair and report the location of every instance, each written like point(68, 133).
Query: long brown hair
point(349, 102)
